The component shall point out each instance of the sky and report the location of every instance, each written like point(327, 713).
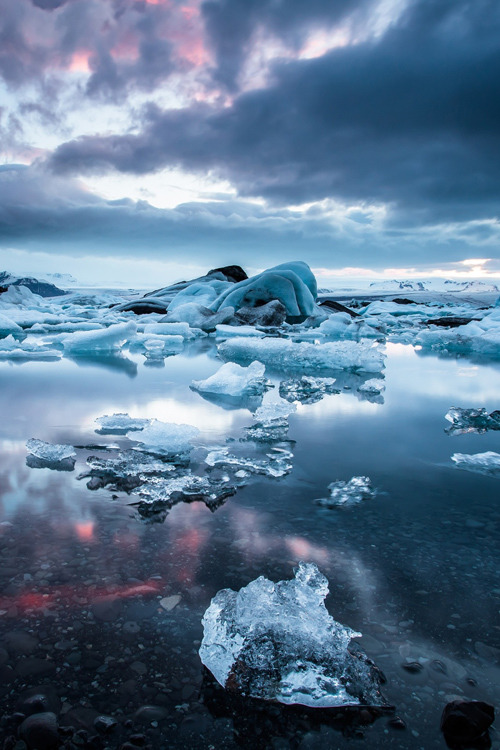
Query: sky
point(144, 141)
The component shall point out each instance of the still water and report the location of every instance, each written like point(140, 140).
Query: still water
point(103, 609)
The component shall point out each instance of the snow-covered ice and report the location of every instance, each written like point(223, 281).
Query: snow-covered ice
point(277, 641)
point(347, 493)
point(483, 463)
point(232, 379)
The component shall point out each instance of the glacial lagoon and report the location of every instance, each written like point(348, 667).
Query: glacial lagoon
point(101, 606)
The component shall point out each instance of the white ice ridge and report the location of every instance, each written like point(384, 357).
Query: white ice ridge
point(348, 493)
point(483, 463)
point(165, 437)
point(120, 423)
point(283, 354)
point(103, 340)
point(234, 380)
point(48, 451)
point(276, 641)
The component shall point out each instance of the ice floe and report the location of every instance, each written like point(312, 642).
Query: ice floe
point(277, 642)
point(165, 437)
point(483, 463)
point(50, 455)
point(307, 389)
point(119, 424)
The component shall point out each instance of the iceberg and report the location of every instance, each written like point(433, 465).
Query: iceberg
point(293, 284)
point(119, 424)
point(165, 437)
point(471, 420)
point(347, 493)
point(232, 379)
point(307, 389)
point(277, 642)
point(286, 355)
point(50, 452)
point(483, 463)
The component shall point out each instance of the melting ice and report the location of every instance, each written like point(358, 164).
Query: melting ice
point(276, 641)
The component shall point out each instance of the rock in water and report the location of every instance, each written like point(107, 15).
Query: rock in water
point(463, 722)
point(276, 641)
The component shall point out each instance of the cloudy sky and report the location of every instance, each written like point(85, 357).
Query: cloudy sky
point(147, 138)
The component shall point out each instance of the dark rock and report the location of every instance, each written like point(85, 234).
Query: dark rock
point(20, 642)
point(40, 731)
point(138, 739)
point(144, 307)
point(396, 723)
point(273, 313)
point(414, 667)
point(232, 273)
point(338, 307)
point(105, 724)
point(403, 301)
point(36, 700)
point(449, 322)
point(466, 721)
point(147, 714)
point(33, 667)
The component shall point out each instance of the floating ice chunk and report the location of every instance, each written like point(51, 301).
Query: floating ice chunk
point(173, 329)
point(276, 641)
point(479, 337)
point(307, 390)
point(233, 380)
point(166, 437)
point(483, 463)
point(348, 493)
point(106, 340)
point(277, 463)
point(372, 387)
point(48, 451)
point(227, 331)
point(471, 420)
point(199, 316)
point(286, 355)
point(273, 411)
point(119, 424)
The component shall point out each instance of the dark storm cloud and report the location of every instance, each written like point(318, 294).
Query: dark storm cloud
point(231, 25)
point(40, 211)
point(412, 120)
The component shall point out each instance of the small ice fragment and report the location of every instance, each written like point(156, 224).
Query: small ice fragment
point(372, 387)
point(277, 463)
point(120, 424)
point(471, 420)
point(234, 380)
point(48, 451)
point(307, 389)
point(483, 463)
point(170, 602)
point(348, 493)
point(276, 641)
point(274, 410)
point(166, 437)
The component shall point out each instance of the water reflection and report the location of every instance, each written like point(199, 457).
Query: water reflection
point(415, 569)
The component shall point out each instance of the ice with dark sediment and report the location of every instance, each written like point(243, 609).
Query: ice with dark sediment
point(119, 424)
point(307, 389)
point(345, 494)
point(234, 380)
point(482, 463)
point(471, 420)
point(277, 642)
